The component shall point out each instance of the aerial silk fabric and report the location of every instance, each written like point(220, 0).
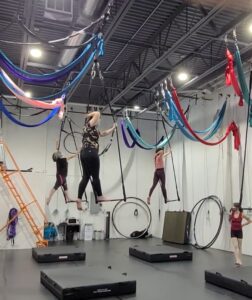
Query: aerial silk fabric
point(5, 62)
point(143, 143)
point(77, 79)
point(210, 131)
point(241, 76)
point(97, 52)
point(242, 81)
point(20, 123)
point(20, 94)
point(231, 128)
point(231, 77)
point(134, 141)
point(57, 103)
point(125, 139)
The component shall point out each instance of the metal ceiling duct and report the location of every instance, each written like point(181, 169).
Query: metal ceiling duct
point(90, 10)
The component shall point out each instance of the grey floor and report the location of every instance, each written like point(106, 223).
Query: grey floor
point(20, 274)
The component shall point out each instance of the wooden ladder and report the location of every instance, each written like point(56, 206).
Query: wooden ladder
point(24, 207)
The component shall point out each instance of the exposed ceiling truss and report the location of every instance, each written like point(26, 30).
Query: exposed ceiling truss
point(145, 41)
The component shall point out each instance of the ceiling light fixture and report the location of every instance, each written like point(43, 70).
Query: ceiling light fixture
point(250, 28)
point(28, 94)
point(136, 107)
point(36, 52)
point(182, 76)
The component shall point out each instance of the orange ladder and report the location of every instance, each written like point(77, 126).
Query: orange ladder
point(22, 205)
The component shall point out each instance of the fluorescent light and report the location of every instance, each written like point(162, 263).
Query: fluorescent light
point(182, 76)
point(28, 94)
point(250, 28)
point(36, 52)
point(136, 107)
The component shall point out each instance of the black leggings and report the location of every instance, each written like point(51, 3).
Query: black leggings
point(91, 167)
point(159, 175)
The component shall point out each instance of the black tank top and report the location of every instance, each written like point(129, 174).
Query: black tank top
point(62, 166)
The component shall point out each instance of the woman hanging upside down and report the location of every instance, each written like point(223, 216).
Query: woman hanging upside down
point(89, 156)
point(159, 174)
point(236, 216)
point(61, 175)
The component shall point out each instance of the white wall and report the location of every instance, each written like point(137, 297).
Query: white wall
point(33, 147)
point(211, 170)
point(201, 171)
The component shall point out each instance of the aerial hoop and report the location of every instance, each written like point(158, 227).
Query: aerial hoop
point(72, 139)
point(199, 205)
point(139, 203)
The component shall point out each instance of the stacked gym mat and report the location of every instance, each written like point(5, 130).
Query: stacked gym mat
point(236, 279)
point(86, 283)
point(58, 254)
point(159, 253)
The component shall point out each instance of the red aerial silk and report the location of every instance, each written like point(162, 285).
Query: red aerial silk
point(231, 128)
point(231, 78)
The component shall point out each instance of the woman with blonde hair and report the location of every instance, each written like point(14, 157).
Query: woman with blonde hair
point(89, 156)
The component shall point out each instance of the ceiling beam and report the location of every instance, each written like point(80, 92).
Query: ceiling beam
point(226, 29)
point(108, 34)
point(174, 47)
point(29, 19)
point(215, 68)
point(134, 35)
point(126, 6)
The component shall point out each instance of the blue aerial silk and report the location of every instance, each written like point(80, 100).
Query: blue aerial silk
point(30, 77)
point(241, 76)
point(218, 118)
point(18, 122)
point(74, 82)
point(211, 130)
point(139, 139)
point(135, 142)
point(123, 129)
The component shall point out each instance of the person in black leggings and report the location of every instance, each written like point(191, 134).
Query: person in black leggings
point(159, 175)
point(89, 156)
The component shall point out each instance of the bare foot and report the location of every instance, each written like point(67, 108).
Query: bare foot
point(79, 206)
point(102, 198)
point(148, 200)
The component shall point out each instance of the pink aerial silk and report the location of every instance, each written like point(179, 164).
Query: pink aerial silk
point(58, 102)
